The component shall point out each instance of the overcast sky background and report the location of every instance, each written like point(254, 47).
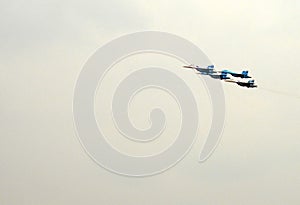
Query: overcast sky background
point(43, 46)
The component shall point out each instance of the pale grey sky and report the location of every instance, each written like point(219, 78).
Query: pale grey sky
point(43, 48)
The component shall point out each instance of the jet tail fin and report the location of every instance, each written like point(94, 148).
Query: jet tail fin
point(210, 67)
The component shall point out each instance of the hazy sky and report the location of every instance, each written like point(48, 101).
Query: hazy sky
point(43, 46)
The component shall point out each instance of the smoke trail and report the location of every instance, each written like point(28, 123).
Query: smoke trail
point(280, 92)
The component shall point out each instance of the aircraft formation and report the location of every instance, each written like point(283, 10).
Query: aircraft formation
point(226, 75)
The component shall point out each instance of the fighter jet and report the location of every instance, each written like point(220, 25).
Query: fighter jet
point(210, 71)
point(204, 71)
point(219, 75)
point(244, 74)
point(248, 84)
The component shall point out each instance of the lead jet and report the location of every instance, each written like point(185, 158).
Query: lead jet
point(210, 71)
point(204, 71)
point(248, 84)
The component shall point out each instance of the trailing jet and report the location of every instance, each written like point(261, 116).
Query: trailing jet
point(244, 74)
point(248, 84)
point(219, 75)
